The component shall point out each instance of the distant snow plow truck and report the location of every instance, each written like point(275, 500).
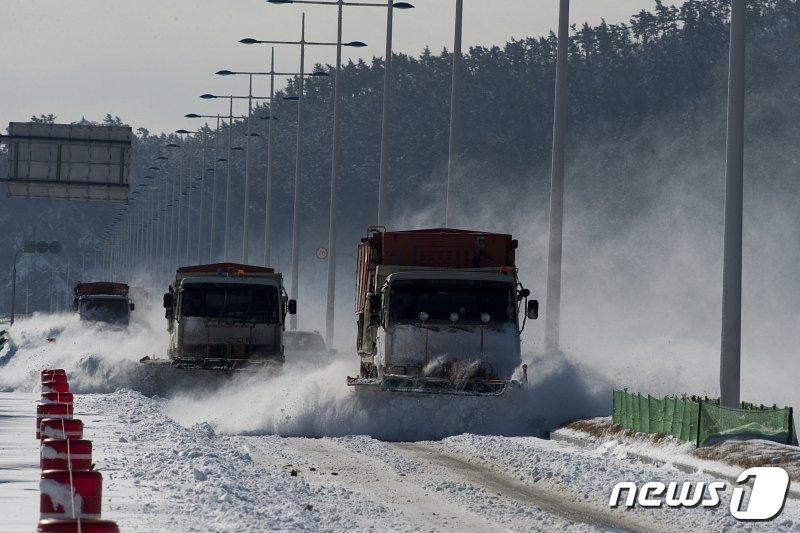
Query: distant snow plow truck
point(226, 316)
point(437, 311)
point(103, 301)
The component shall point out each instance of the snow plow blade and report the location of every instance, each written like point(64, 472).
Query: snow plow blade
point(227, 364)
point(428, 385)
point(167, 378)
point(186, 363)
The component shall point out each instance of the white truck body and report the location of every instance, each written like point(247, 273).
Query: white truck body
point(424, 347)
point(226, 322)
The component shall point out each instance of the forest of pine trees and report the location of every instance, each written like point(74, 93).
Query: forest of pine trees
point(665, 62)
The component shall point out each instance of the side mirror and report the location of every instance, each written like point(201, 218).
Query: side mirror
point(374, 302)
point(522, 294)
point(291, 306)
point(532, 310)
point(131, 306)
point(168, 314)
point(167, 300)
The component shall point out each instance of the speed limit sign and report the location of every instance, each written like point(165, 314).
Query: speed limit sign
point(322, 253)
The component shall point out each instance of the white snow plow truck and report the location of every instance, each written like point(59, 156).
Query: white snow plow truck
point(438, 311)
point(227, 316)
point(103, 302)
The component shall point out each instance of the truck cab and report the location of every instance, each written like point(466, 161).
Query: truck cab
point(439, 312)
point(105, 302)
point(226, 316)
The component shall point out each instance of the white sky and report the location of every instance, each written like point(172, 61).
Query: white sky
point(148, 60)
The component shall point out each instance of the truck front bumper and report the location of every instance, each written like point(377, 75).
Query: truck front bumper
point(433, 385)
point(227, 364)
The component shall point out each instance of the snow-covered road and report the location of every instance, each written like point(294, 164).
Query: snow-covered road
point(19, 462)
point(301, 451)
point(433, 490)
point(163, 476)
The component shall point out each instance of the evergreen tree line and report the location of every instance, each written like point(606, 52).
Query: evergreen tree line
point(665, 62)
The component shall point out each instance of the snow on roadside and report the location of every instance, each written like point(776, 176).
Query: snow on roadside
point(728, 458)
point(161, 476)
point(308, 401)
point(588, 474)
point(97, 358)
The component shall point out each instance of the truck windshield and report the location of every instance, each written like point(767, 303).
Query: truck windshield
point(103, 309)
point(246, 303)
point(441, 299)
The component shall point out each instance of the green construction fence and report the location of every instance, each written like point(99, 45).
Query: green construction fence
point(701, 420)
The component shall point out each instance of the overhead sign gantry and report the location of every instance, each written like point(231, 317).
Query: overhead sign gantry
point(68, 161)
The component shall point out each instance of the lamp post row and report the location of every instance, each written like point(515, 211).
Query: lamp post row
point(175, 229)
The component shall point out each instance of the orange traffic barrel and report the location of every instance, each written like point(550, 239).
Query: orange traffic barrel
point(61, 429)
point(70, 494)
point(55, 386)
point(57, 397)
point(77, 525)
point(65, 454)
point(49, 372)
point(58, 378)
point(52, 410)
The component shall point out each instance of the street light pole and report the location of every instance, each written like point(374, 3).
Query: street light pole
point(387, 87)
point(229, 185)
point(298, 169)
point(336, 143)
point(203, 170)
point(331, 288)
point(268, 199)
point(214, 195)
point(213, 230)
point(271, 73)
point(246, 221)
point(227, 238)
point(731, 342)
point(335, 167)
point(169, 184)
point(14, 285)
point(176, 214)
point(555, 248)
point(189, 179)
point(455, 114)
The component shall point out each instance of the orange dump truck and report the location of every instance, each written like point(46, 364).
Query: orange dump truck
point(438, 311)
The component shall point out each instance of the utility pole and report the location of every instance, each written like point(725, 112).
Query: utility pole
point(731, 343)
point(453, 163)
point(553, 309)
